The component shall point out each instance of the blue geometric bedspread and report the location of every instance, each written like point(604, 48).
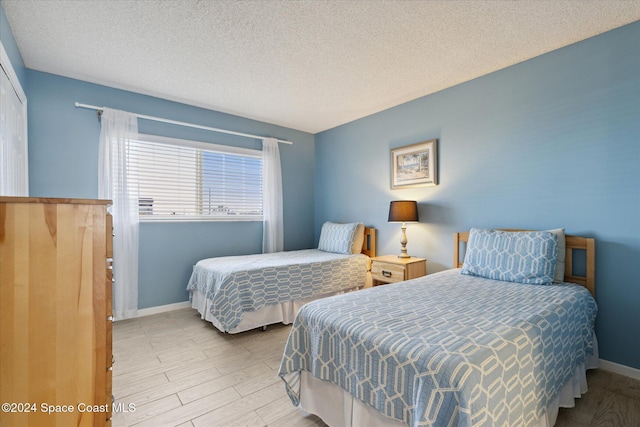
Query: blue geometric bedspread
point(239, 284)
point(446, 349)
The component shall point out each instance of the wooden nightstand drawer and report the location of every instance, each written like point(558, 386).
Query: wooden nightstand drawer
point(387, 272)
point(391, 269)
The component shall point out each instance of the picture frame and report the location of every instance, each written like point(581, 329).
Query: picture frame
point(415, 165)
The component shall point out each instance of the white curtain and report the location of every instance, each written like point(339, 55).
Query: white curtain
point(119, 128)
point(272, 226)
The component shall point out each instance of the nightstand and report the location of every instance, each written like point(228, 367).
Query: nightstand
point(391, 269)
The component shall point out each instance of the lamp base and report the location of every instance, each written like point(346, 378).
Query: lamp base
point(403, 242)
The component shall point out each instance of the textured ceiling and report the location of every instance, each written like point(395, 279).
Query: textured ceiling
point(307, 65)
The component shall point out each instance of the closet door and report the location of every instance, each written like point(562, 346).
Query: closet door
point(14, 175)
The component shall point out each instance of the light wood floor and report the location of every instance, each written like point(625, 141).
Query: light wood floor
point(175, 369)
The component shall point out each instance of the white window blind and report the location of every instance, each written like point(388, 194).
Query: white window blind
point(187, 180)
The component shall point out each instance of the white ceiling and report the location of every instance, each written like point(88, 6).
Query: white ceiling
point(307, 65)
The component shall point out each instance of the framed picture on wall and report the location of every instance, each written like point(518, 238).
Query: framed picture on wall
point(415, 165)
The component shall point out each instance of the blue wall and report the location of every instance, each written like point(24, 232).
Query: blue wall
point(63, 162)
point(551, 142)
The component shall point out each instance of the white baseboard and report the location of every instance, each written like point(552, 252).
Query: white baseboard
point(161, 309)
point(617, 368)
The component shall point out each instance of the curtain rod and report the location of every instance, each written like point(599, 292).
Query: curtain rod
point(191, 125)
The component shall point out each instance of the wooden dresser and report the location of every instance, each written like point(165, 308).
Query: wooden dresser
point(55, 312)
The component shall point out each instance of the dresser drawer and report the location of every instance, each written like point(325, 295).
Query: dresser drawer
point(393, 269)
point(387, 272)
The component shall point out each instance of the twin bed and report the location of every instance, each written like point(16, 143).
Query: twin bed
point(504, 338)
point(500, 340)
point(239, 293)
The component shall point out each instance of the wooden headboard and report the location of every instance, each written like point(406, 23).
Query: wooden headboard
point(369, 244)
point(572, 243)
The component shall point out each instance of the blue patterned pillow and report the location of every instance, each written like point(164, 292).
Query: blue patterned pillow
point(337, 238)
point(522, 257)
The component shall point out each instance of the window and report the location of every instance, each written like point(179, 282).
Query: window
point(187, 180)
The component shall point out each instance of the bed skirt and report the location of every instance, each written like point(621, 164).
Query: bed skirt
point(338, 408)
point(278, 313)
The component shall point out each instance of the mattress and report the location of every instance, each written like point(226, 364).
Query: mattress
point(446, 349)
point(234, 286)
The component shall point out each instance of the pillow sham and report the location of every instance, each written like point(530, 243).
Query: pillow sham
point(527, 257)
point(558, 276)
point(337, 238)
point(358, 240)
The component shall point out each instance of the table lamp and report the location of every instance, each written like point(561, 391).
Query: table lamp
point(403, 211)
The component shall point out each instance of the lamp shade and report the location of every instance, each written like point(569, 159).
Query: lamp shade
point(403, 211)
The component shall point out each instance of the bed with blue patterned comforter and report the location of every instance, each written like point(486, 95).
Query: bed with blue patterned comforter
point(236, 285)
point(446, 349)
